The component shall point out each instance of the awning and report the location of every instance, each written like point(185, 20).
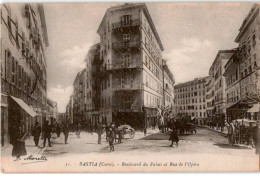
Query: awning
point(23, 105)
point(255, 108)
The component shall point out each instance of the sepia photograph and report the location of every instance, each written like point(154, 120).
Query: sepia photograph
point(130, 87)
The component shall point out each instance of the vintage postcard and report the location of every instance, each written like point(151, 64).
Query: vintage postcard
point(130, 87)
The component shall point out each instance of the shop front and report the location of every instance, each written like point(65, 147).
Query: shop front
point(19, 115)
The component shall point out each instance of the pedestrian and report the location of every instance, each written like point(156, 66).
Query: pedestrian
point(145, 131)
point(120, 135)
point(47, 130)
point(231, 131)
point(58, 129)
point(99, 132)
point(111, 137)
point(78, 130)
point(91, 128)
point(36, 133)
point(107, 131)
point(256, 138)
point(19, 144)
point(66, 132)
point(174, 137)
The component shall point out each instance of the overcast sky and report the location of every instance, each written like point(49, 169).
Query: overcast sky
point(192, 34)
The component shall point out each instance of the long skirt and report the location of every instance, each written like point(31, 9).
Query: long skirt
point(111, 141)
point(19, 149)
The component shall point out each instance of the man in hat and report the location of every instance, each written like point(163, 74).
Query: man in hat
point(111, 136)
point(36, 133)
point(47, 129)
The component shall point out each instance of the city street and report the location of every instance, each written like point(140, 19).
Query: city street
point(206, 148)
point(205, 141)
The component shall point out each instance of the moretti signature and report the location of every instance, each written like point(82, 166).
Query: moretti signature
point(31, 157)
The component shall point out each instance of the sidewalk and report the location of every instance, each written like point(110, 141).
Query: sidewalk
point(31, 149)
point(224, 133)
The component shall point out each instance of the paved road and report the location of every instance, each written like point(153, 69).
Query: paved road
point(208, 148)
point(205, 141)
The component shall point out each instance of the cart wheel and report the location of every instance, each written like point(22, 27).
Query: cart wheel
point(131, 134)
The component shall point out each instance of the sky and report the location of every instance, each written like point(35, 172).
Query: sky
point(191, 33)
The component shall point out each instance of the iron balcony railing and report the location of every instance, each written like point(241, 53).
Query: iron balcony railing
point(124, 65)
point(125, 24)
point(125, 45)
point(127, 87)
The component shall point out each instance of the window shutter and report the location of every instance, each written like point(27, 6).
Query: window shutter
point(9, 68)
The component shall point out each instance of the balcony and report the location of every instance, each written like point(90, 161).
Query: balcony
point(124, 65)
point(126, 45)
point(128, 87)
point(125, 24)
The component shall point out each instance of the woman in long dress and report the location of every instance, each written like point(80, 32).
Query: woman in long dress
point(19, 144)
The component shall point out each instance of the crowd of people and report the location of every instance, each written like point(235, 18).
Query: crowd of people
point(19, 137)
point(239, 133)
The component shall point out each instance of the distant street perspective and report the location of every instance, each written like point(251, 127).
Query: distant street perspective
point(127, 80)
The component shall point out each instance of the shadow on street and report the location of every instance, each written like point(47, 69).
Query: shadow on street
point(227, 146)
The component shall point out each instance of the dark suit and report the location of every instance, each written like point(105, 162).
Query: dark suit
point(36, 134)
point(47, 134)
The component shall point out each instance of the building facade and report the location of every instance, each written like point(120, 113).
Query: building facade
point(242, 70)
point(23, 67)
point(69, 110)
point(132, 66)
point(52, 110)
point(216, 72)
point(210, 96)
point(79, 97)
point(191, 99)
point(125, 72)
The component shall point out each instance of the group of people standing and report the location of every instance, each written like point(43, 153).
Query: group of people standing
point(238, 133)
point(19, 136)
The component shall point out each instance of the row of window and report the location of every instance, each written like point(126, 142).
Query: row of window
point(233, 78)
point(151, 37)
point(152, 100)
point(26, 47)
point(189, 88)
point(233, 96)
point(189, 101)
point(190, 94)
point(152, 67)
point(192, 107)
point(153, 84)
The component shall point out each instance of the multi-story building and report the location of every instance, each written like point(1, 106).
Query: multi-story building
point(168, 93)
point(61, 117)
point(79, 97)
point(168, 81)
point(191, 98)
point(69, 110)
point(93, 85)
point(216, 71)
point(132, 66)
point(52, 110)
point(232, 80)
point(242, 71)
point(210, 95)
point(23, 67)
point(124, 72)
